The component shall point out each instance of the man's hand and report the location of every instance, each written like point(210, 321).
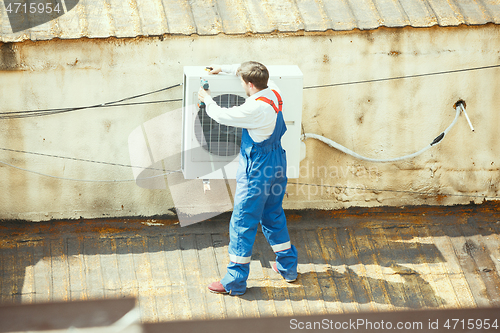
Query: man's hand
point(202, 93)
point(215, 69)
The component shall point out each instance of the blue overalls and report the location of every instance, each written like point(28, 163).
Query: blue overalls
point(261, 183)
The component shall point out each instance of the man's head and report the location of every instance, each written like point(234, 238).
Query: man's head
point(254, 76)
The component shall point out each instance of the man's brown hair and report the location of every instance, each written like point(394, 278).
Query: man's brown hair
point(255, 72)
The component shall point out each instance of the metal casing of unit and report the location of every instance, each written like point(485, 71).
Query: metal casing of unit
point(211, 150)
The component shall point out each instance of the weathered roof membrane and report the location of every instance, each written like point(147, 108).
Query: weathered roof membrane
point(118, 18)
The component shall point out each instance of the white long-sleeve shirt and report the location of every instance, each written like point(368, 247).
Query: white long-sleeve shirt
point(258, 117)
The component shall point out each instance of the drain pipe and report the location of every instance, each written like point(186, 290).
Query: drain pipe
point(461, 104)
point(459, 107)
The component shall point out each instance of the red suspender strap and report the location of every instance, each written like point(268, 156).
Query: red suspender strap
point(280, 101)
point(268, 101)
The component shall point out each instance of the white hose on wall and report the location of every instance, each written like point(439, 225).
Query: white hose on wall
point(338, 146)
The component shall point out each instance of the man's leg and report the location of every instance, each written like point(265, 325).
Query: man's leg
point(275, 229)
point(240, 252)
point(248, 207)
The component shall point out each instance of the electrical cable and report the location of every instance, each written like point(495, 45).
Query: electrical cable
point(80, 159)
point(88, 180)
point(46, 112)
point(145, 103)
point(103, 104)
point(33, 113)
point(49, 112)
point(403, 77)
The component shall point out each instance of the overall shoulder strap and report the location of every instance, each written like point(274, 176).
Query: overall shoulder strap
point(270, 102)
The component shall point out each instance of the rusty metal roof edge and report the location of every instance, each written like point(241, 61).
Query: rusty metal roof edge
point(93, 19)
point(26, 36)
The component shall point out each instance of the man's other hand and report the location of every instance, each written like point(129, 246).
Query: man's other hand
point(215, 69)
point(202, 93)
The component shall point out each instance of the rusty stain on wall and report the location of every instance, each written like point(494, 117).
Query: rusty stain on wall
point(8, 59)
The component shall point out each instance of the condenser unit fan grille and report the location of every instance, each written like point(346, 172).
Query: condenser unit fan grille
point(220, 140)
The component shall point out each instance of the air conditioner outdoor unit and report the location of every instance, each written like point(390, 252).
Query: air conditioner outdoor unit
point(211, 150)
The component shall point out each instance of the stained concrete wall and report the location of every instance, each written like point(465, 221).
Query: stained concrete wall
point(379, 119)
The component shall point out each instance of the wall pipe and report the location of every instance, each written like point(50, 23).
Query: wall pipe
point(333, 144)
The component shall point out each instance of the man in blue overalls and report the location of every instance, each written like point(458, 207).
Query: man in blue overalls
point(261, 177)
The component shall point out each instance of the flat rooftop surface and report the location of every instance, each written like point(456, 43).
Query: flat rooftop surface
point(353, 260)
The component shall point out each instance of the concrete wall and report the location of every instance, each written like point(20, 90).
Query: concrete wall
point(380, 119)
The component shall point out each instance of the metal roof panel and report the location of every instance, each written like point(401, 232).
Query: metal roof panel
point(233, 16)
point(45, 31)
point(313, 15)
point(124, 17)
point(179, 17)
point(419, 13)
point(258, 17)
point(4, 22)
point(206, 17)
point(472, 12)
point(445, 15)
point(493, 9)
point(366, 14)
point(284, 14)
point(97, 23)
point(340, 14)
point(132, 18)
point(392, 13)
point(70, 25)
point(152, 17)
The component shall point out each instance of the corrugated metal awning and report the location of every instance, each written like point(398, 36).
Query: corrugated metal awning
point(118, 18)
